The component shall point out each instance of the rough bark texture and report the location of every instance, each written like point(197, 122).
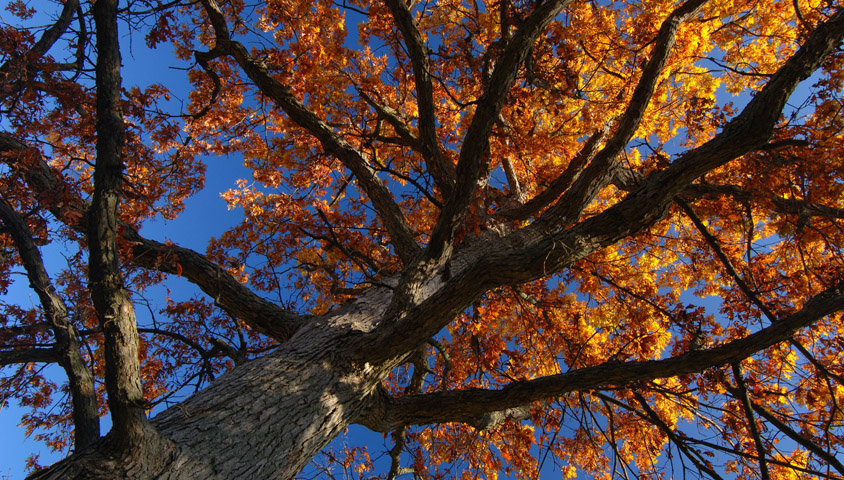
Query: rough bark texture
point(114, 307)
point(268, 417)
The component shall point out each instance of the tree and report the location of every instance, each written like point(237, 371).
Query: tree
point(479, 224)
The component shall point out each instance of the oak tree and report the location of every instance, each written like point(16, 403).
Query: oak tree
point(507, 234)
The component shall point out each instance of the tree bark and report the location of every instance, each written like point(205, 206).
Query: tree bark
point(266, 418)
point(116, 314)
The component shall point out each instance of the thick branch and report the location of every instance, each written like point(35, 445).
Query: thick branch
point(540, 250)
point(475, 147)
point(441, 170)
point(332, 143)
point(803, 208)
point(601, 171)
point(468, 406)
point(228, 293)
point(476, 142)
point(31, 355)
point(784, 206)
point(86, 420)
point(32, 329)
point(47, 185)
point(114, 308)
point(596, 176)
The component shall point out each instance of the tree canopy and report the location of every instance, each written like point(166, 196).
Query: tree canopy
point(600, 236)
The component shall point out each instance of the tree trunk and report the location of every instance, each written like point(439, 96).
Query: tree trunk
point(269, 418)
point(266, 418)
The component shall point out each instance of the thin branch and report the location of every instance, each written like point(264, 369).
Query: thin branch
point(601, 62)
point(799, 13)
point(541, 249)
point(473, 154)
point(394, 119)
point(654, 418)
point(737, 71)
point(725, 261)
point(400, 437)
point(440, 168)
point(205, 354)
point(362, 261)
point(559, 185)
point(446, 361)
point(81, 42)
point(713, 243)
point(22, 68)
point(332, 143)
point(14, 331)
point(772, 461)
point(512, 180)
point(410, 180)
point(797, 437)
point(729, 450)
point(475, 147)
point(202, 59)
point(744, 398)
point(601, 170)
point(542, 252)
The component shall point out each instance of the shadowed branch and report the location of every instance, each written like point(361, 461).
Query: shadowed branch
point(471, 405)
